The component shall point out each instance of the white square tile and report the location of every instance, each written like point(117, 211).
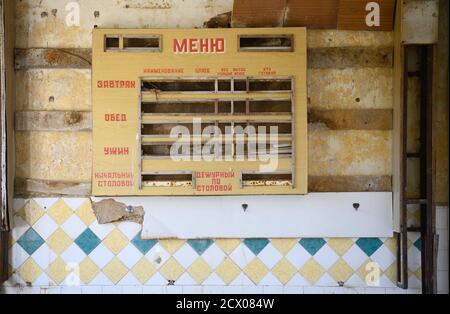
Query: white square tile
point(270, 256)
point(213, 289)
point(129, 229)
point(45, 226)
point(18, 203)
point(129, 280)
point(314, 290)
point(213, 280)
point(42, 256)
point(214, 256)
point(270, 280)
point(18, 256)
point(101, 280)
point(192, 289)
point(74, 203)
point(101, 231)
point(442, 281)
point(185, 280)
point(101, 255)
point(292, 290)
point(298, 280)
point(173, 290)
point(242, 280)
point(30, 290)
point(42, 280)
point(73, 255)
point(20, 226)
point(152, 289)
point(395, 291)
point(441, 217)
point(442, 260)
point(112, 290)
point(355, 281)
point(414, 258)
point(383, 257)
point(241, 256)
point(157, 280)
point(91, 290)
point(157, 255)
point(326, 257)
point(73, 226)
point(186, 256)
point(233, 289)
point(385, 282)
point(326, 281)
point(130, 255)
point(375, 290)
point(50, 290)
point(273, 289)
point(70, 290)
point(443, 239)
point(414, 291)
point(354, 257)
point(252, 290)
point(132, 290)
point(298, 256)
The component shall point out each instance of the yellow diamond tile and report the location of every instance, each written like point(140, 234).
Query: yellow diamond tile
point(340, 271)
point(284, 271)
point(143, 270)
point(228, 270)
point(116, 241)
point(85, 212)
point(340, 246)
point(171, 270)
point(60, 212)
point(59, 241)
point(391, 244)
point(88, 270)
point(115, 270)
point(391, 273)
point(256, 270)
point(172, 245)
point(31, 212)
point(362, 272)
point(58, 270)
point(199, 270)
point(418, 273)
point(284, 245)
point(312, 271)
point(29, 271)
point(227, 245)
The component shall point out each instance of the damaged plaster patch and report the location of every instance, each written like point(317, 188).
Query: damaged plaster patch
point(109, 210)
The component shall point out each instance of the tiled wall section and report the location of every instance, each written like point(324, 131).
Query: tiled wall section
point(57, 241)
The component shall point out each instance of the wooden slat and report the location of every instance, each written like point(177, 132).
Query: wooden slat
point(352, 119)
point(333, 119)
point(53, 121)
point(333, 57)
point(32, 187)
point(53, 58)
point(349, 58)
point(258, 13)
point(35, 188)
point(349, 183)
point(313, 14)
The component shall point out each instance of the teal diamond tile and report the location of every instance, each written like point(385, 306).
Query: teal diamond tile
point(256, 245)
point(30, 241)
point(87, 241)
point(312, 245)
point(143, 245)
point(369, 245)
point(200, 246)
point(418, 244)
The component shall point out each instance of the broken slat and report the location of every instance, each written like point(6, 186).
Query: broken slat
point(350, 183)
point(53, 121)
point(33, 188)
point(333, 57)
point(352, 119)
point(321, 58)
point(79, 58)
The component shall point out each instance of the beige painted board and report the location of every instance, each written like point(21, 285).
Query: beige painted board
point(117, 169)
point(420, 21)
